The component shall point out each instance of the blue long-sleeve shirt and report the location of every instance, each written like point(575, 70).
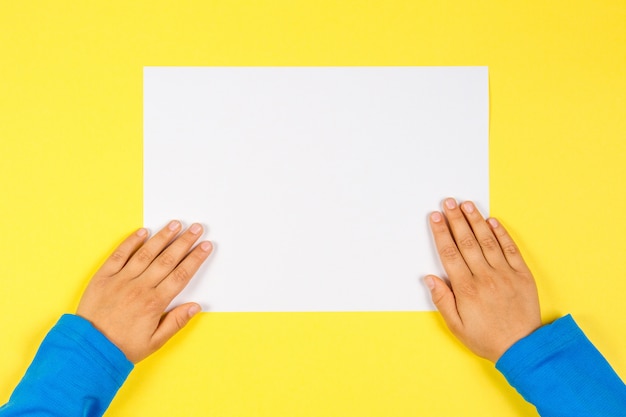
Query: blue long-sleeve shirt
point(557, 369)
point(77, 372)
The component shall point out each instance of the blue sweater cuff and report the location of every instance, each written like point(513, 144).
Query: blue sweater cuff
point(76, 372)
point(557, 369)
point(531, 350)
point(108, 356)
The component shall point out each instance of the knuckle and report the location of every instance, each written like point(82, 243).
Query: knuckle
point(118, 256)
point(144, 255)
point(167, 260)
point(180, 275)
point(466, 288)
point(491, 286)
point(449, 253)
point(180, 321)
point(101, 285)
point(467, 242)
point(134, 294)
point(526, 278)
point(146, 298)
point(489, 242)
point(153, 303)
point(437, 299)
point(510, 248)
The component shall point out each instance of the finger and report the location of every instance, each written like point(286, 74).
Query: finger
point(509, 248)
point(464, 236)
point(172, 255)
point(172, 322)
point(151, 249)
point(123, 252)
point(451, 258)
point(182, 274)
point(484, 236)
point(444, 300)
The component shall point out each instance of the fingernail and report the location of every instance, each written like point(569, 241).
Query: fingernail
point(173, 225)
point(492, 222)
point(142, 232)
point(436, 217)
point(450, 203)
point(430, 282)
point(468, 207)
point(194, 309)
point(206, 246)
point(195, 228)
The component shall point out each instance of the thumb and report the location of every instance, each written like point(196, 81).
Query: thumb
point(444, 300)
point(173, 321)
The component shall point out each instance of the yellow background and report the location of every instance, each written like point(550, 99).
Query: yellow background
point(71, 189)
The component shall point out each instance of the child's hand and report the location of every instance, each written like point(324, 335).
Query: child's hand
point(492, 299)
point(127, 297)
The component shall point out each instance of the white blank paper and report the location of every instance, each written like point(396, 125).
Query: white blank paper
point(314, 183)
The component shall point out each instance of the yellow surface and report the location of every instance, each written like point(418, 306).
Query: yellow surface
point(71, 188)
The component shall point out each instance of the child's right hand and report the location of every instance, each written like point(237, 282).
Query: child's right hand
point(492, 300)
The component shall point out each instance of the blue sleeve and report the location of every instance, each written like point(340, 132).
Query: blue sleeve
point(557, 369)
point(76, 372)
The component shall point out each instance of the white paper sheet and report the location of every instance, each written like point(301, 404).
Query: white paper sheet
point(314, 183)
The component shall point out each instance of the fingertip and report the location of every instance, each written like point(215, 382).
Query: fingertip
point(173, 322)
point(194, 309)
point(450, 203)
point(468, 207)
point(206, 246)
point(493, 222)
point(196, 228)
point(436, 217)
point(173, 225)
point(444, 300)
point(142, 233)
point(430, 282)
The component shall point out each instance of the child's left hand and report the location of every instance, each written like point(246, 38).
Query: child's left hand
point(127, 297)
